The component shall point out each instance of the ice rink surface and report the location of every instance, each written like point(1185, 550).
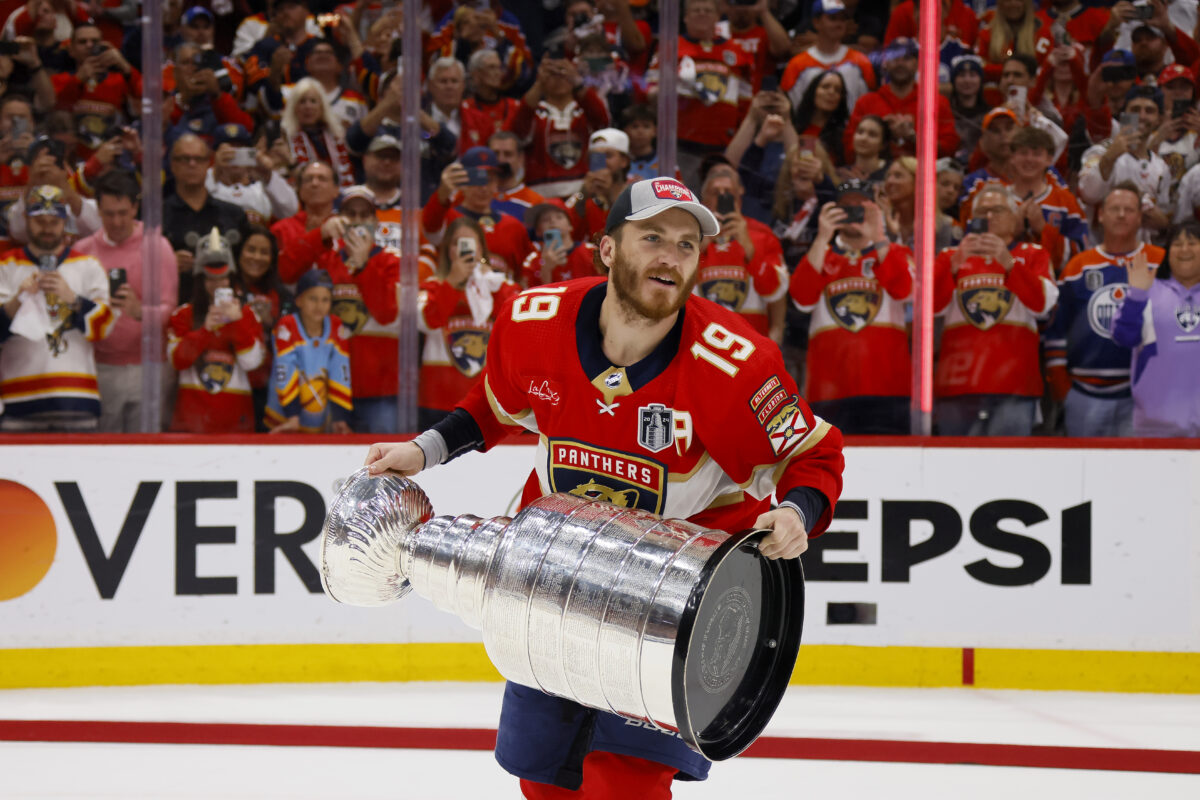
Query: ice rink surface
point(837, 716)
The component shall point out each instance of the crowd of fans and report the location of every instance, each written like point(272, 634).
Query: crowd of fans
point(1066, 281)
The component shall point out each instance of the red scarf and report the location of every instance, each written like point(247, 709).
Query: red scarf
point(303, 152)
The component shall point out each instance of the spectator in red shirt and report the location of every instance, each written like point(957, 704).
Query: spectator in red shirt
point(958, 22)
point(456, 310)
point(199, 105)
point(608, 171)
point(896, 102)
point(754, 28)
point(317, 189)
point(557, 116)
point(485, 110)
point(556, 256)
point(103, 91)
point(992, 290)
point(475, 177)
point(365, 277)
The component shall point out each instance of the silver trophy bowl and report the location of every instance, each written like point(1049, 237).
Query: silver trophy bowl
point(658, 620)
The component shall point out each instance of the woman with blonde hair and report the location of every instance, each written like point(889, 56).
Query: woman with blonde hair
point(806, 180)
point(313, 131)
point(1014, 29)
point(897, 198)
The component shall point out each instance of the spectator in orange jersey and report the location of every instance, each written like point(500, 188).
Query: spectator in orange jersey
point(830, 20)
point(1052, 216)
point(992, 290)
point(854, 283)
point(457, 308)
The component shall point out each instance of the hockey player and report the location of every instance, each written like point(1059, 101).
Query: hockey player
point(594, 366)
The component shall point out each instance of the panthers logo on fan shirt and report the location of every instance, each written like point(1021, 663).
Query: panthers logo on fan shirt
point(348, 306)
point(215, 369)
point(467, 345)
point(854, 302)
point(984, 299)
point(724, 285)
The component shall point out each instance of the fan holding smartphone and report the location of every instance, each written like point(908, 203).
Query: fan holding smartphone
point(556, 256)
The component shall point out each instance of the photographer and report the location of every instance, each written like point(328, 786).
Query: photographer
point(1145, 28)
point(365, 279)
point(48, 167)
point(855, 283)
point(742, 267)
point(608, 171)
point(103, 90)
point(556, 256)
point(243, 175)
point(992, 291)
point(1130, 156)
point(199, 105)
point(24, 69)
point(759, 147)
point(456, 309)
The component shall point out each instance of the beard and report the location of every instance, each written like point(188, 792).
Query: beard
point(628, 283)
point(46, 241)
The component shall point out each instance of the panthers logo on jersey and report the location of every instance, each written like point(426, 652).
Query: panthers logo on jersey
point(565, 148)
point(467, 347)
point(348, 306)
point(728, 293)
point(984, 299)
point(853, 302)
point(1187, 315)
point(711, 87)
point(215, 370)
point(598, 473)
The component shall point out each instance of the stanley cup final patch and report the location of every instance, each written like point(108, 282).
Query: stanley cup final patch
point(778, 412)
point(656, 427)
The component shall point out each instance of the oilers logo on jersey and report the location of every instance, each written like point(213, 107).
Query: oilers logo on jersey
point(615, 477)
point(984, 299)
point(656, 427)
point(1187, 315)
point(1103, 307)
point(854, 302)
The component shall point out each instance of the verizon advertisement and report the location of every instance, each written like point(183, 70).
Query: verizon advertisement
point(110, 545)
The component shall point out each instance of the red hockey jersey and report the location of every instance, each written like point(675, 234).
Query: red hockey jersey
point(214, 388)
point(990, 342)
point(857, 342)
point(744, 285)
point(556, 141)
point(455, 345)
point(712, 103)
point(706, 427)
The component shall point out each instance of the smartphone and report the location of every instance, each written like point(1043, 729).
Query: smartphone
point(1130, 122)
point(9, 48)
point(725, 204)
point(597, 160)
point(467, 247)
point(807, 145)
point(222, 296)
point(1017, 97)
point(1178, 108)
point(20, 126)
point(116, 279)
point(1115, 73)
point(1142, 11)
point(770, 83)
point(552, 239)
point(977, 225)
point(245, 157)
point(854, 214)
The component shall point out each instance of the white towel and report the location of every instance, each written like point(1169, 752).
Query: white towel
point(479, 289)
point(32, 320)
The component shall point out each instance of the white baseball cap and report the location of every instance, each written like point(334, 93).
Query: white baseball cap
point(612, 139)
point(651, 197)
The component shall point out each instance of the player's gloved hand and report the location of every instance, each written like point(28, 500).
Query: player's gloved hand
point(788, 538)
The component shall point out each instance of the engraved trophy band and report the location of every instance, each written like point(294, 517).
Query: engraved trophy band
point(691, 630)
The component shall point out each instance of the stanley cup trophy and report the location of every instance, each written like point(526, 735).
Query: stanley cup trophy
point(658, 620)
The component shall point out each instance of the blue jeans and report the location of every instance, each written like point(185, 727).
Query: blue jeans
point(375, 415)
point(1086, 415)
point(985, 415)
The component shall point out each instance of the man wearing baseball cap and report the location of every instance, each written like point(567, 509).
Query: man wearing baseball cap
point(643, 391)
point(469, 187)
point(829, 21)
point(51, 346)
point(608, 171)
point(994, 150)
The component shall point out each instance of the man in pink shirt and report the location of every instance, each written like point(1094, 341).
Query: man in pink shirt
point(118, 246)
